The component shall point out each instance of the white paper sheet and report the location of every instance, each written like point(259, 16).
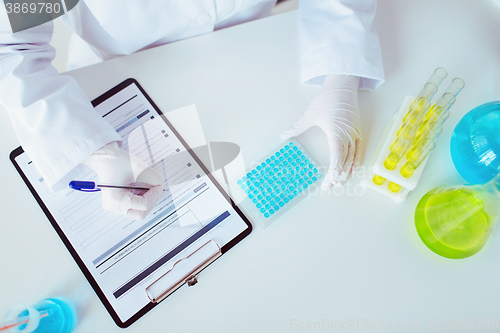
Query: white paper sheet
point(124, 256)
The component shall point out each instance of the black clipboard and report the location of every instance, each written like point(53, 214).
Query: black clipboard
point(189, 279)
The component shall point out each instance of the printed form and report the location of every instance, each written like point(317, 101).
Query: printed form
point(123, 255)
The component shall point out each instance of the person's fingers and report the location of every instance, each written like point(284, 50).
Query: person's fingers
point(145, 201)
point(149, 176)
point(337, 159)
point(113, 200)
point(357, 156)
point(328, 180)
point(346, 170)
point(298, 128)
point(150, 199)
point(137, 214)
point(122, 201)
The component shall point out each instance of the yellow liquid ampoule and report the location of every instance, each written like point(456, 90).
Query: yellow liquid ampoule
point(378, 180)
point(394, 187)
point(391, 162)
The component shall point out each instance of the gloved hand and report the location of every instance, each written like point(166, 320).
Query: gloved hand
point(116, 166)
point(335, 111)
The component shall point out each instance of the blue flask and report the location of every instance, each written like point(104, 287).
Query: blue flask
point(475, 144)
point(50, 315)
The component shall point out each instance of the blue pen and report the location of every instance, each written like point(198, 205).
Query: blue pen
point(88, 186)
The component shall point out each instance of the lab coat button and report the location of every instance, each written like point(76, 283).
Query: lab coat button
point(203, 19)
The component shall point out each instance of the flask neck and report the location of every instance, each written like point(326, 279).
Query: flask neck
point(495, 184)
point(490, 195)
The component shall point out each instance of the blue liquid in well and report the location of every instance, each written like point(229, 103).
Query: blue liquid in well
point(279, 179)
point(475, 144)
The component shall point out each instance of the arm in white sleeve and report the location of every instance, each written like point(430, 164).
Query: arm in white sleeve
point(53, 118)
point(337, 37)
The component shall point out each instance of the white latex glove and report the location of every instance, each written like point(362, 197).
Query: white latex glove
point(335, 111)
point(116, 166)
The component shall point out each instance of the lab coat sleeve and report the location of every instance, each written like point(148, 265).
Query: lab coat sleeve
point(53, 118)
point(337, 37)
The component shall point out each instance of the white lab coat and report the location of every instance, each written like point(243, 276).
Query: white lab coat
point(53, 118)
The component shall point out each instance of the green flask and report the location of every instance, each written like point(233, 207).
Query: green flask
point(455, 222)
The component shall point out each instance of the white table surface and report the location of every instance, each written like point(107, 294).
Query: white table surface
point(339, 257)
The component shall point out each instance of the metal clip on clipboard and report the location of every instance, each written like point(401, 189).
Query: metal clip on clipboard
point(186, 271)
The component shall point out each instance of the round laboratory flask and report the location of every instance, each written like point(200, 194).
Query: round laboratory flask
point(50, 315)
point(475, 144)
point(455, 222)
